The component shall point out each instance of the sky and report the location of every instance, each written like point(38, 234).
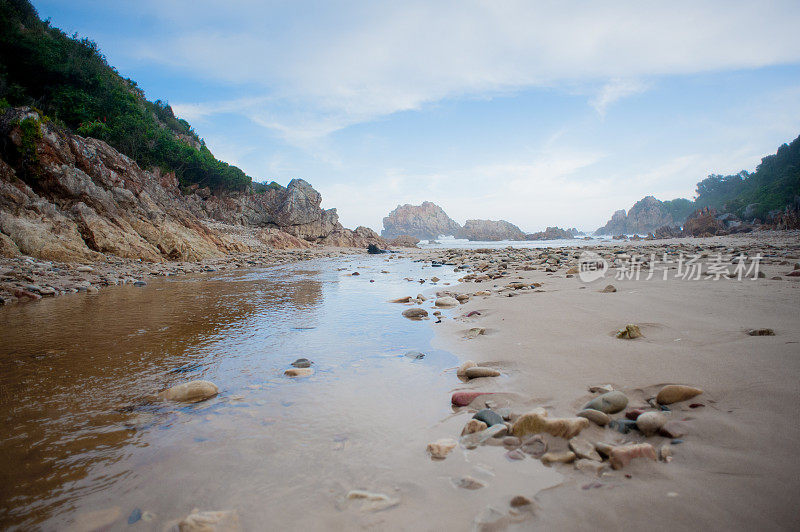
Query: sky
point(541, 113)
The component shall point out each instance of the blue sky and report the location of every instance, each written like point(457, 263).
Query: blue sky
point(540, 113)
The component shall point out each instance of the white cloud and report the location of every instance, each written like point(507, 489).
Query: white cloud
point(615, 90)
point(354, 62)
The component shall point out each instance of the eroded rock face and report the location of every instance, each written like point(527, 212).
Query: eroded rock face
point(553, 233)
point(491, 230)
point(425, 221)
point(703, 222)
point(645, 216)
point(79, 198)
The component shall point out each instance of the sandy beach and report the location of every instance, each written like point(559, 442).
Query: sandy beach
point(737, 467)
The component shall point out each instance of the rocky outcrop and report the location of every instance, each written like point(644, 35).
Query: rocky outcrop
point(645, 216)
point(70, 198)
point(426, 221)
point(491, 230)
point(553, 233)
point(404, 241)
point(703, 222)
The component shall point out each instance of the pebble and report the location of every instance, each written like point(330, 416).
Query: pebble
point(595, 416)
point(650, 422)
point(473, 426)
point(441, 448)
point(630, 332)
point(623, 426)
point(373, 502)
point(622, 455)
point(515, 454)
point(473, 440)
point(136, 514)
point(751, 332)
point(299, 372)
point(665, 453)
point(535, 446)
point(519, 500)
point(488, 416)
point(674, 393)
point(584, 449)
point(415, 313)
point(190, 392)
point(84, 269)
point(511, 442)
point(416, 355)
point(603, 388)
point(475, 332)
point(480, 371)
point(562, 457)
point(406, 299)
point(139, 283)
point(609, 289)
point(537, 423)
point(469, 483)
point(465, 398)
point(633, 414)
point(302, 363)
point(608, 403)
point(590, 466)
point(446, 302)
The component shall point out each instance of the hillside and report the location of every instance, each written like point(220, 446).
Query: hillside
point(68, 80)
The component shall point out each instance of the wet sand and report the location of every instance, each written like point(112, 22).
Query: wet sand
point(738, 467)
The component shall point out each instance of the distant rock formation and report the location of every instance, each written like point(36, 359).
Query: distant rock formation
point(553, 233)
point(404, 241)
point(646, 215)
point(70, 198)
point(491, 230)
point(426, 221)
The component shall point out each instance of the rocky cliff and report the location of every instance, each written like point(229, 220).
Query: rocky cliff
point(426, 221)
point(70, 198)
point(491, 230)
point(553, 233)
point(646, 215)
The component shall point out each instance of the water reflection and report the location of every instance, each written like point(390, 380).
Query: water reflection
point(81, 430)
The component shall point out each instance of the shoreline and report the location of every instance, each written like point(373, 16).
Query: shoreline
point(553, 342)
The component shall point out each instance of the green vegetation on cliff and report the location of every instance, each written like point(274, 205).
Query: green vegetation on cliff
point(774, 185)
point(69, 80)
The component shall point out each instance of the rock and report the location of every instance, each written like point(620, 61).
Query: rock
point(480, 371)
point(511, 442)
point(621, 455)
point(415, 313)
point(633, 414)
point(649, 423)
point(675, 393)
point(465, 398)
point(562, 457)
point(584, 449)
point(535, 446)
point(435, 279)
point(630, 332)
point(462, 298)
point(491, 230)
point(190, 392)
point(665, 453)
point(536, 423)
point(84, 269)
point(603, 388)
point(610, 289)
point(406, 299)
point(299, 372)
point(475, 332)
point(673, 429)
point(426, 221)
point(135, 516)
point(519, 501)
point(515, 454)
point(473, 426)
point(595, 416)
point(751, 332)
point(609, 402)
point(462, 369)
point(416, 355)
point(96, 520)
point(441, 448)
point(594, 467)
point(473, 440)
point(373, 502)
point(645, 216)
point(302, 363)
point(469, 483)
point(139, 283)
point(446, 302)
point(488, 416)
point(622, 426)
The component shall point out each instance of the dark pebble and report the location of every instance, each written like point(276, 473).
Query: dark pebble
point(136, 514)
point(140, 283)
point(490, 417)
point(416, 355)
point(696, 405)
point(622, 425)
point(676, 442)
point(302, 363)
